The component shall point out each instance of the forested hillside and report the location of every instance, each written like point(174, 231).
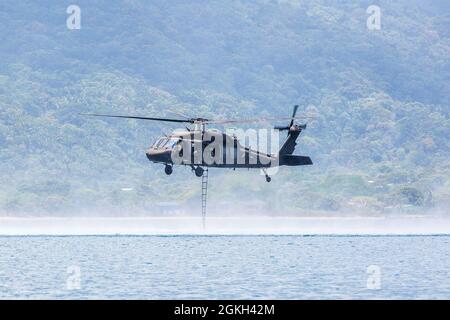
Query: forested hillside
point(380, 141)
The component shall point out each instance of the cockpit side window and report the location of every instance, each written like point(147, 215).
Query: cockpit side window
point(173, 141)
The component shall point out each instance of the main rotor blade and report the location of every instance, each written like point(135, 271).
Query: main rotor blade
point(136, 117)
point(258, 120)
point(177, 113)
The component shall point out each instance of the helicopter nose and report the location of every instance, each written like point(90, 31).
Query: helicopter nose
point(158, 155)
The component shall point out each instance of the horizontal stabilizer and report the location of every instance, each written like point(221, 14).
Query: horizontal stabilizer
point(293, 160)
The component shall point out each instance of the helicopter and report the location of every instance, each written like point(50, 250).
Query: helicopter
point(202, 148)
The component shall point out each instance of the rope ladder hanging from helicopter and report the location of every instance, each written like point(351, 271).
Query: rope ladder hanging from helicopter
point(204, 194)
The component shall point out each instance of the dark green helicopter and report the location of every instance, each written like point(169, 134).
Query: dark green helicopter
point(202, 148)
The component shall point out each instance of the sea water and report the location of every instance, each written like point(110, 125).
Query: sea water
point(225, 267)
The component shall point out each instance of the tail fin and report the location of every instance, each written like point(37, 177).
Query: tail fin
point(290, 143)
point(293, 133)
point(288, 148)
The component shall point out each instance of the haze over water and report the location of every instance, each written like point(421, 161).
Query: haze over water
point(406, 225)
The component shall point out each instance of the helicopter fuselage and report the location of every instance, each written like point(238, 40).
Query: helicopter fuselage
point(213, 148)
point(210, 148)
point(200, 148)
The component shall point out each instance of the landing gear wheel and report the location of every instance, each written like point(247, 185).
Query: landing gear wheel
point(168, 170)
point(198, 171)
point(268, 179)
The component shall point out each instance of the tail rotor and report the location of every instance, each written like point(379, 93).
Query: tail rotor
point(291, 124)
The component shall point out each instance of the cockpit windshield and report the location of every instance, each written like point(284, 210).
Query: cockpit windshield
point(158, 142)
point(166, 142)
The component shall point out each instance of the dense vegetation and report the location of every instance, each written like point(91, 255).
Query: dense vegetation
point(380, 143)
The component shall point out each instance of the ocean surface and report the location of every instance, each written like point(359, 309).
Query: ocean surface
point(225, 267)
